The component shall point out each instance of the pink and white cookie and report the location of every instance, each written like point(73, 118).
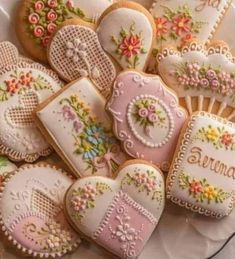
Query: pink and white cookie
point(74, 121)
point(203, 78)
point(22, 87)
point(202, 175)
point(126, 31)
point(147, 117)
point(119, 215)
point(75, 51)
point(31, 211)
point(178, 22)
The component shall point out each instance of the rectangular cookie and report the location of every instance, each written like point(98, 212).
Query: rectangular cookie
point(75, 123)
point(202, 176)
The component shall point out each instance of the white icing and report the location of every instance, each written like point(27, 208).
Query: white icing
point(59, 130)
point(94, 216)
point(198, 172)
point(207, 30)
point(112, 24)
point(158, 135)
point(17, 195)
point(218, 61)
point(23, 139)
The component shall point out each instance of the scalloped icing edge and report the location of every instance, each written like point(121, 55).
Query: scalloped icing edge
point(7, 233)
point(9, 152)
point(177, 160)
point(220, 17)
point(122, 136)
point(196, 46)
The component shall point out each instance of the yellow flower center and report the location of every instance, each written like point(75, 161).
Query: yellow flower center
point(130, 47)
point(181, 24)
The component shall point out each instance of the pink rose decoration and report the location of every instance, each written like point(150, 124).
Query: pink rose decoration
point(151, 185)
point(39, 5)
point(143, 112)
point(153, 117)
point(70, 4)
point(45, 41)
point(210, 74)
point(152, 107)
point(38, 31)
point(52, 3)
point(51, 27)
point(204, 82)
point(78, 203)
point(215, 85)
point(51, 15)
point(34, 18)
point(140, 178)
point(89, 192)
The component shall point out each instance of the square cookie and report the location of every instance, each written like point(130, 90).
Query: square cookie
point(77, 126)
point(202, 176)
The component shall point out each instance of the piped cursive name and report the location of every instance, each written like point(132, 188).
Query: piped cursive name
point(197, 157)
point(210, 3)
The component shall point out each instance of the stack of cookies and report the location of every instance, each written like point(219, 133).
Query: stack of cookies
point(137, 102)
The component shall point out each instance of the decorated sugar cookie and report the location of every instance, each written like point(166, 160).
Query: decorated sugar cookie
point(203, 78)
point(31, 213)
point(22, 87)
point(202, 176)
point(119, 215)
point(178, 22)
point(75, 51)
point(77, 115)
point(38, 19)
point(8, 54)
point(6, 167)
point(126, 32)
point(147, 117)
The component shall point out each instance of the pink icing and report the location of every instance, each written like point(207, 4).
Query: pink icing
point(128, 86)
point(126, 227)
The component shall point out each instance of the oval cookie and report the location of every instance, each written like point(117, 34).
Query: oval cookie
point(119, 215)
point(126, 32)
point(31, 213)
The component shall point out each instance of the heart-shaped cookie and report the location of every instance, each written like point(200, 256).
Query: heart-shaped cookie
point(75, 51)
point(21, 116)
point(31, 211)
point(119, 215)
point(126, 31)
point(22, 87)
point(8, 54)
point(147, 117)
point(202, 77)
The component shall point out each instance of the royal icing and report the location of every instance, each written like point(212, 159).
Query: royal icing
point(78, 116)
point(202, 174)
point(75, 51)
point(127, 35)
point(32, 213)
point(147, 117)
point(202, 73)
point(23, 87)
point(45, 15)
point(178, 22)
point(225, 32)
point(8, 54)
point(120, 214)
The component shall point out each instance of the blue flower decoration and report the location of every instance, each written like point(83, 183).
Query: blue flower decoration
point(96, 135)
point(90, 154)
